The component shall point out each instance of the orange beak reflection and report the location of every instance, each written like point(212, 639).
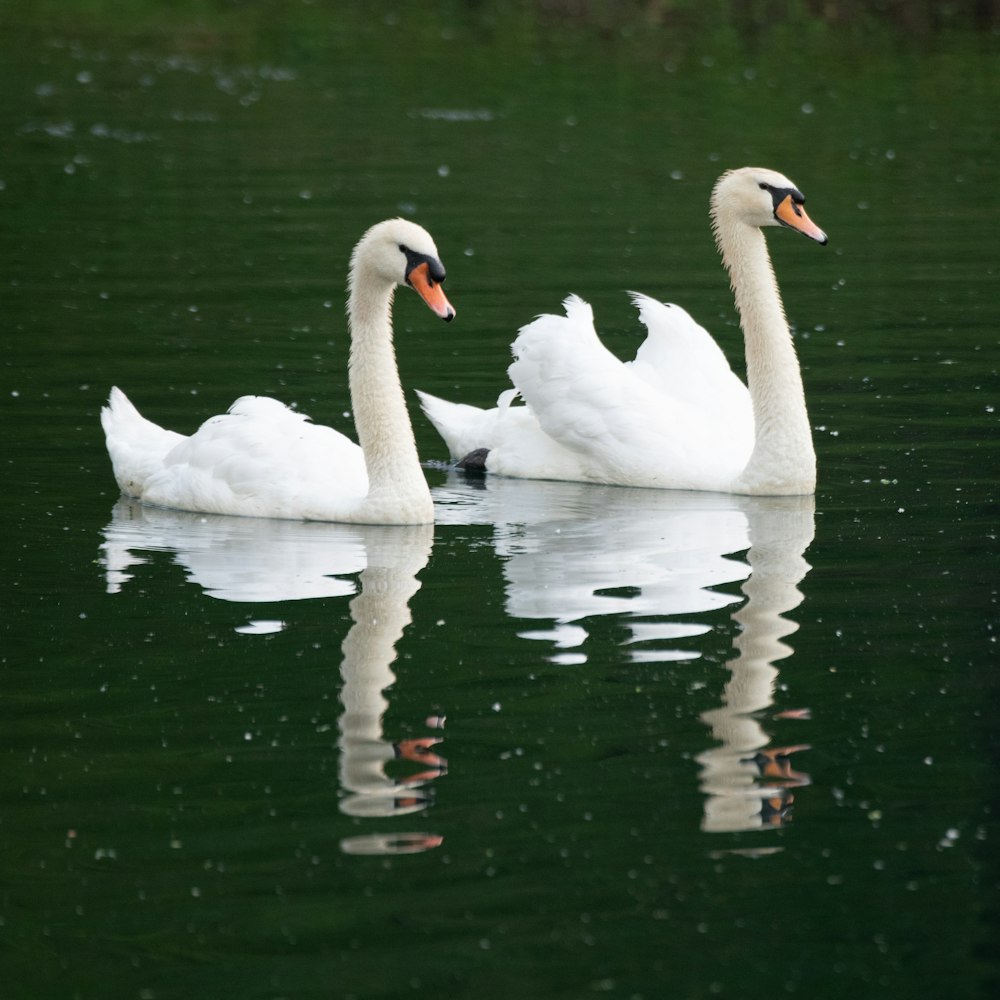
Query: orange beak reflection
point(794, 216)
point(431, 291)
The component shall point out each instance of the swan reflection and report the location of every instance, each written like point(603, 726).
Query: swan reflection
point(748, 783)
point(380, 613)
point(240, 559)
point(261, 560)
point(571, 552)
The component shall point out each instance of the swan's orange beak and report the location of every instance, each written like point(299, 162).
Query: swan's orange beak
point(431, 291)
point(790, 213)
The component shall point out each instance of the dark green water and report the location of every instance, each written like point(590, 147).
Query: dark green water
point(696, 746)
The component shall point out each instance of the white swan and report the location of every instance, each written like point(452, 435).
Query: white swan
point(262, 459)
point(676, 417)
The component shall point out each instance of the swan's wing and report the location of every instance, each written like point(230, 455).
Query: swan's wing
point(258, 459)
point(625, 425)
point(682, 359)
point(571, 382)
point(676, 417)
point(467, 428)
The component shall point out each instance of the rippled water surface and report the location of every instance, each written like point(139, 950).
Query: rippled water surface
point(573, 740)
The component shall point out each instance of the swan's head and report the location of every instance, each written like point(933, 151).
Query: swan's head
point(760, 197)
point(402, 253)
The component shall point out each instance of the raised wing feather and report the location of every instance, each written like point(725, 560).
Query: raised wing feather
point(675, 417)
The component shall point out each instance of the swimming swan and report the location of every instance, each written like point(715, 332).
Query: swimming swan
point(262, 459)
point(676, 417)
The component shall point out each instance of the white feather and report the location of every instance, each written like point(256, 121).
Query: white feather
point(676, 417)
point(262, 459)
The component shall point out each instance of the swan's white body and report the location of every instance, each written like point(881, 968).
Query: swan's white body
point(676, 417)
point(261, 459)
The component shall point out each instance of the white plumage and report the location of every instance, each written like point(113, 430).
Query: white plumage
point(676, 417)
point(261, 459)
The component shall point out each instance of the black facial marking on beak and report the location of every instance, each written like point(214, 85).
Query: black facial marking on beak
point(425, 274)
point(779, 194)
point(789, 212)
point(435, 269)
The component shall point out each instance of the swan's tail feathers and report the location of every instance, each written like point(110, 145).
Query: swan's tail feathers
point(464, 428)
point(121, 420)
point(119, 409)
point(137, 446)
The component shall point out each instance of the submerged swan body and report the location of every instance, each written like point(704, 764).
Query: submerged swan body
point(261, 459)
point(676, 417)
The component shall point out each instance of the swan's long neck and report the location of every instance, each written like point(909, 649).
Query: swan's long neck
point(783, 460)
point(397, 489)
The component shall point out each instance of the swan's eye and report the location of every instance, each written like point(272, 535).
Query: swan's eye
point(764, 186)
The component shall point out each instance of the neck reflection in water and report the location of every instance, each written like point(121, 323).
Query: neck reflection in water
point(380, 613)
point(255, 560)
point(572, 552)
point(748, 783)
